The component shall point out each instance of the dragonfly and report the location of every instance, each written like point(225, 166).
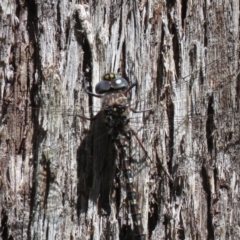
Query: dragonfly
point(115, 106)
point(53, 144)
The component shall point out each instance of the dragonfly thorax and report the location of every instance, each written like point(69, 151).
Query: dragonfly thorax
point(116, 109)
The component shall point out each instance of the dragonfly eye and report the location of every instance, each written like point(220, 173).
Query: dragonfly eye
point(111, 82)
point(119, 83)
point(102, 87)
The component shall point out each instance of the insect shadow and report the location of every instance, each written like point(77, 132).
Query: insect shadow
point(96, 167)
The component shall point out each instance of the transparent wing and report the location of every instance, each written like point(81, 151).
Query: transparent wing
point(216, 80)
point(211, 79)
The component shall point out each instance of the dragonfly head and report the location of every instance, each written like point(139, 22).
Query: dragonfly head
point(110, 83)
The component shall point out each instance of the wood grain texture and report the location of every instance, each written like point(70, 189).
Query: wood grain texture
point(59, 174)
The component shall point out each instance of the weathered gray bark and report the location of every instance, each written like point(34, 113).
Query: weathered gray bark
point(59, 175)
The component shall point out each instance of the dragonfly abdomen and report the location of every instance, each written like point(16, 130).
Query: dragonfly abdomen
point(123, 144)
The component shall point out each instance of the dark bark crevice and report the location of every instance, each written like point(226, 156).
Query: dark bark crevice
point(207, 189)
point(4, 225)
point(160, 69)
point(33, 32)
point(210, 124)
point(184, 11)
point(153, 214)
point(59, 29)
point(82, 40)
point(176, 49)
point(170, 114)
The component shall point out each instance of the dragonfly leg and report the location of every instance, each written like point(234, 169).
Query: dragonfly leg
point(166, 172)
point(141, 111)
point(87, 91)
point(139, 141)
point(130, 88)
point(145, 151)
point(87, 118)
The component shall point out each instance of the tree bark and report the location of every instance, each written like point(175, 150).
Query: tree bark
point(60, 174)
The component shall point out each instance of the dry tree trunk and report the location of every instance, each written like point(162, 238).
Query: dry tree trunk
point(60, 175)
